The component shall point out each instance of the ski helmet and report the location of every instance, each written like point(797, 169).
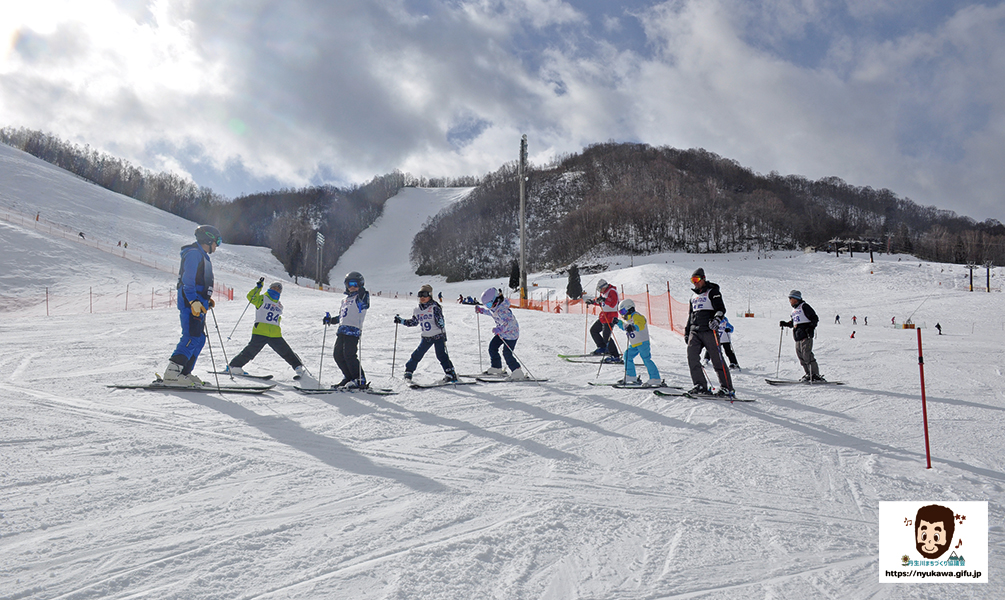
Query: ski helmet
point(627, 306)
point(489, 296)
point(276, 285)
point(207, 234)
point(601, 284)
point(355, 278)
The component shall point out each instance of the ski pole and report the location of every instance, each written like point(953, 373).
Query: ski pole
point(222, 345)
point(523, 365)
point(238, 322)
point(478, 327)
point(722, 361)
point(324, 337)
point(778, 363)
point(205, 331)
point(615, 346)
point(394, 349)
point(261, 281)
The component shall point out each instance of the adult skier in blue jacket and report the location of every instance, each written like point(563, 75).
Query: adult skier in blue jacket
point(195, 291)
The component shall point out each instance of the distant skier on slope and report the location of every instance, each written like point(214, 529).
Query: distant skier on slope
point(705, 313)
point(636, 328)
point(266, 331)
point(607, 300)
point(350, 321)
point(803, 323)
point(505, 334)
point(428, 316)
point(195, 291)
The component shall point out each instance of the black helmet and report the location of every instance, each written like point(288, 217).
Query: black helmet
point(206, 234)
point(354, 276)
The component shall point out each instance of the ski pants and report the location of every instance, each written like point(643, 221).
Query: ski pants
point(440, 344)
point(260, 341)
point(507, 353)
point(602, 337)
point(643, 351)
point(345, 352)
point(193, 338)
point(697, 341)
point(804, 352)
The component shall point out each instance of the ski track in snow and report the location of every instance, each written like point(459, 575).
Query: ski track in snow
point(551, 491)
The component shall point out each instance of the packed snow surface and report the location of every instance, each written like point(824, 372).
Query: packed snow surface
point(553, 490)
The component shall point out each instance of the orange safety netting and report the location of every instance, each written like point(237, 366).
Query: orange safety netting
point(661, 310)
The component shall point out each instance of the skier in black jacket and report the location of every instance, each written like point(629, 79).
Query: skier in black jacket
point(704, 314)
point(803, 323)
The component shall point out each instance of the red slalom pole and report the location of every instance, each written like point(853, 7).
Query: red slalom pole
point(924, 404)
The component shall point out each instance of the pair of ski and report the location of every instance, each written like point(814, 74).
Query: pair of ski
point(159, 384)
point(338, 390)
point(491, 378)
point(593, 359)
point(634, 386)
point(696, 396)
point(801, 382)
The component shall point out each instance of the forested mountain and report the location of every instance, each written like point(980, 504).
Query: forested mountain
point(625, 198)
point(638, 199)
point(287, 221)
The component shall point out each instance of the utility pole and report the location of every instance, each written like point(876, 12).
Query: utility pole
point(321, 245)
point(522, 171)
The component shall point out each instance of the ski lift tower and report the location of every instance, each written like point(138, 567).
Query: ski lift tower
point(523, 219)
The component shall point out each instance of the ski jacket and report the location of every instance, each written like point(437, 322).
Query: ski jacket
point(352, 312)
point(803, 322)
point(504, 319)
point(608, 301)
point(725, 329)
point(195, 276)
point(640, 335)
point(429, 318)
point(705, 304)
point(268, 312)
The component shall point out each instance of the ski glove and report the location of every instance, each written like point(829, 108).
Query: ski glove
point(397, 319)
point(197, 308)
point(629, 328)
point(496, 331)
point(261, 282)
point(714, 323)
point(785, 323)
point(330, 320)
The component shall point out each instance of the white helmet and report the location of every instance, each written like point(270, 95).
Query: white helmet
point(601, 284)
point(489, 296)
point(627, 305)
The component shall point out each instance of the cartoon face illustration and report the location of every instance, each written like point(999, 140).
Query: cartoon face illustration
point(933, 530)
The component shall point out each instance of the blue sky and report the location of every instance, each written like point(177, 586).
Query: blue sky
point(250, 95)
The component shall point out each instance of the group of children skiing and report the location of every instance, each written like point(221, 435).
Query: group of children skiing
point(707, 329)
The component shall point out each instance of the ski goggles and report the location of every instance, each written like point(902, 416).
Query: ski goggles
point(352, 283)
point(425, 295)
point(696, 279)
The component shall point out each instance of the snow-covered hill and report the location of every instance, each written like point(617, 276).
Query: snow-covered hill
point(557, 490)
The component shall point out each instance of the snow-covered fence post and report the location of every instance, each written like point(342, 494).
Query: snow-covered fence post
point(924, 404)
point(127, 298)
point(47, 301)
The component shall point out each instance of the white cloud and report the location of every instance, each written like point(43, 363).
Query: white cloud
point(357, 88)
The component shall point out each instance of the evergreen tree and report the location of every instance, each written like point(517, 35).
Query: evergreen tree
point(575, 288)
point(514, 276)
